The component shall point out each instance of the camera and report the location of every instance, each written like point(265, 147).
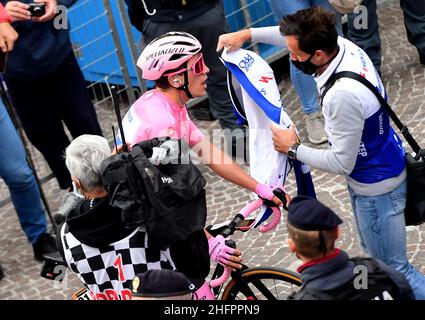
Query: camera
point(37, 9)
point(54, 267)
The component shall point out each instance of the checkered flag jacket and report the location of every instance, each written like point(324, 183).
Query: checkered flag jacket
point(108, 272)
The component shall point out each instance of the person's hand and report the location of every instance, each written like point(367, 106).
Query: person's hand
point(233, 41)
point(50, 10)
point(288, 201)
point(224, 255)
point(8, 36)
point(266, 192)
point(283, 196)
point(17, 11)
point(284, 139)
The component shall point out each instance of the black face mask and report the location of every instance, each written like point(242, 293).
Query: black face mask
point(307, 66)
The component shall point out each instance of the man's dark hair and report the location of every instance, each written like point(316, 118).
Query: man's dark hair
point(309, 244)
point(314, 28)
point(162, 83)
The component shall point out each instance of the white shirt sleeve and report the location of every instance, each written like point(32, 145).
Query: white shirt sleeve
point(269, 35)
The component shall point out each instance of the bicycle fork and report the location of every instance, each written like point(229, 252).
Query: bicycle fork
point(237, 276)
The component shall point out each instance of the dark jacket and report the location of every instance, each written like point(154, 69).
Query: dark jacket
point(167, 10)
point(39, 49)
point(97, 227)
point(333, 277)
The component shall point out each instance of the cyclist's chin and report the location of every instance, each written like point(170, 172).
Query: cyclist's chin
point(200, 91)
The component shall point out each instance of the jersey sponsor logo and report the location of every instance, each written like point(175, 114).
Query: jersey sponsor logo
point(83, 294)
point(362, 58)
point(362, 149)
point(265, 79)
point(119, 267)
point(163, 52)
point(381, 124)
point(111, 294)
point(167, 180)
point(246, 62)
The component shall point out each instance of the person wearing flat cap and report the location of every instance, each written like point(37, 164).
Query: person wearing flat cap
point(327, 272)
point(162, 284)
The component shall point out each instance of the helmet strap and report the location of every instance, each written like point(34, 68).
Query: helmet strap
point(185, 86)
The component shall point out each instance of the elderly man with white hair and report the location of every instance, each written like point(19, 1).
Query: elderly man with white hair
point(104, 254)
point(83, 160)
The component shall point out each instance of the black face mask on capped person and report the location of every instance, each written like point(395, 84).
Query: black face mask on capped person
point(307, 66)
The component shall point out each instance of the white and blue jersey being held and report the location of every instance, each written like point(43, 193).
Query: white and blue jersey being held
point(256, 99)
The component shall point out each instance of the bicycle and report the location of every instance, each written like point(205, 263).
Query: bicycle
point(251, 283)
point(246, 284)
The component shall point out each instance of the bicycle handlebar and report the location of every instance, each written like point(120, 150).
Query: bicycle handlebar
point(231, 227)
point(272, 224)
point(219, 281)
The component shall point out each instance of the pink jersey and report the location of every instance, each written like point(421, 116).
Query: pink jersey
point(154, 115)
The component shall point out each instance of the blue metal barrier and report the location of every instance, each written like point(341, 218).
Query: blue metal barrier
point(94, 45)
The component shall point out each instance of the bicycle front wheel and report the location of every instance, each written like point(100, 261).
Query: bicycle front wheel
point(264, 284)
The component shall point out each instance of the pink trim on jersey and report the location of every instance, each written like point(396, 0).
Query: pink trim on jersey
point(160, 117)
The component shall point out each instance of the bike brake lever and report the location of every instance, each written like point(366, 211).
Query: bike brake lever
point(280, 194)
point(269, 203)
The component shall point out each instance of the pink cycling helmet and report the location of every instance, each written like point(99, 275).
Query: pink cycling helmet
point(167, 52)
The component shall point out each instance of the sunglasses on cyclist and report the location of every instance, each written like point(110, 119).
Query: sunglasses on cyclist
point(198, 67)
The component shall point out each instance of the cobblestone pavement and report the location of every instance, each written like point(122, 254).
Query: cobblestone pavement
point(405, 82)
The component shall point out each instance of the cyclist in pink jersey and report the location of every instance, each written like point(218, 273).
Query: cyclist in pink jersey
point(174, 61)
point(156, 115)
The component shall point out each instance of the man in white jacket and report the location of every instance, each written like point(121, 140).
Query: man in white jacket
point(364, 147)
